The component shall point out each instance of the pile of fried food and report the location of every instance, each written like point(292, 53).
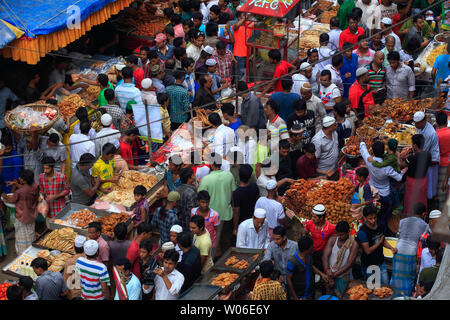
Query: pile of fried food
point(56, 264)
point(310, 39)
point(374, 122)
point(399, 109)
point(70, 104)
point(383, 292)
point(109, 222)
point(367, 132)
point(255, 256)
point(90, 93)
point(303, 195)
point(79, 219)
point(60, 239)
point(123, 191)
point(351, 147)
point(224, 279)
point(431, 58)
point(151, 28)
point(327, 15)
point(359, 292)
point(235, 263)
point(203, 117)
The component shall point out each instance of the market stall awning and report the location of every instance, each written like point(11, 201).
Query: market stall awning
point(8, 33)
point(47, 24)
point(272, 8)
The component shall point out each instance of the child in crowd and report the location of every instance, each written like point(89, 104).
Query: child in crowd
point(228, 114)
point(212, 219)
point(147, 265)
point(389, 158)
point(141, 210)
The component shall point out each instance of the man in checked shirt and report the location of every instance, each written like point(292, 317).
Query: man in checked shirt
point(54, 186)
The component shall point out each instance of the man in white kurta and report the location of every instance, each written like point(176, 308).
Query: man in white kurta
point(253, 233)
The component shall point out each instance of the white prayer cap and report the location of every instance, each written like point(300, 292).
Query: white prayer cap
point(304, 66)
point(328, 121)
point(319, 210)
point(79, 241)
point(419, 116)
point(306, 86)
point(211, 62)
point(361, 71)
point(435, 214)
point(106, 119)
point(387, 20)
point(176, 228)
point(90, 247)
point(271, 184)
point(259, 213)
point(209, 49)
point(146, 83)
point(168, 246)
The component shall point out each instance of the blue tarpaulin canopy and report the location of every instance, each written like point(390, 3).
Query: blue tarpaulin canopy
point(37, 17)
point(49, 25)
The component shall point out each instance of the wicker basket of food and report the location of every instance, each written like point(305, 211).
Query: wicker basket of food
point(39, 117)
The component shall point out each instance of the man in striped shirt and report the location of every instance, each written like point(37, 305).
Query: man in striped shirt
point(126, 91)
point(93, 274)
point(377, 78)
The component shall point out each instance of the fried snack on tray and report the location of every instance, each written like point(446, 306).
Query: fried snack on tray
point(81, 218)
point(224, 279)
point(231, 260)
point(435, 53)
point(203, 117)
point(70, 104)
point(61, 239)
point(109, 222)
point(374, 122)
point(241, 265)
point(366, 132)
point(255, 256)
point(383, 292)
point(359, 292)
point(59, 262)
point(303, 195)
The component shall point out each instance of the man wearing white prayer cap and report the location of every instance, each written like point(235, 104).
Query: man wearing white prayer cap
point(321, 230)
point(432, 146)
point(327, 148)
point(433, 219)
point(274, 210)
point(173, 234)
point(302, 77)
point(105, 135)
point(253, 233)
point(69, 269)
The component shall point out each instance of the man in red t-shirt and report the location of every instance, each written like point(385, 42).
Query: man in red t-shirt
point(138, 73)
point(321, 230)
point(281, 68)
point(144, 232)
point(126, 141)
point(358, 89)
point(352, 33)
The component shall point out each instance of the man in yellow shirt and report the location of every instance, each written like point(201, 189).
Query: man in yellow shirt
point(105, 169)
point(202, 241)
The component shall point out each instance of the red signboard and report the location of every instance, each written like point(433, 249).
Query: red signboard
point(272, 8)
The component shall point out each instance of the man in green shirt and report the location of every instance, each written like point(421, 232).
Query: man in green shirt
point(427, 31)
point(103, 82)
point(220, 186)
point(344, 10)
point(430, 273)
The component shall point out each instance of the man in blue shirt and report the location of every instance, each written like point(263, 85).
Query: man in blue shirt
point(285, 98)
point(10, 166)
point(440, 67)
point(348, 70)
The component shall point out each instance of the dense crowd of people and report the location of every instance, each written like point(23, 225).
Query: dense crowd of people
point(231, 196)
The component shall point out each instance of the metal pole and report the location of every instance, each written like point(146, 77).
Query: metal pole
point(149, 137)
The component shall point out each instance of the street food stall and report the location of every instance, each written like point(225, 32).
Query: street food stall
point(268, 29)
point(233, 271)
